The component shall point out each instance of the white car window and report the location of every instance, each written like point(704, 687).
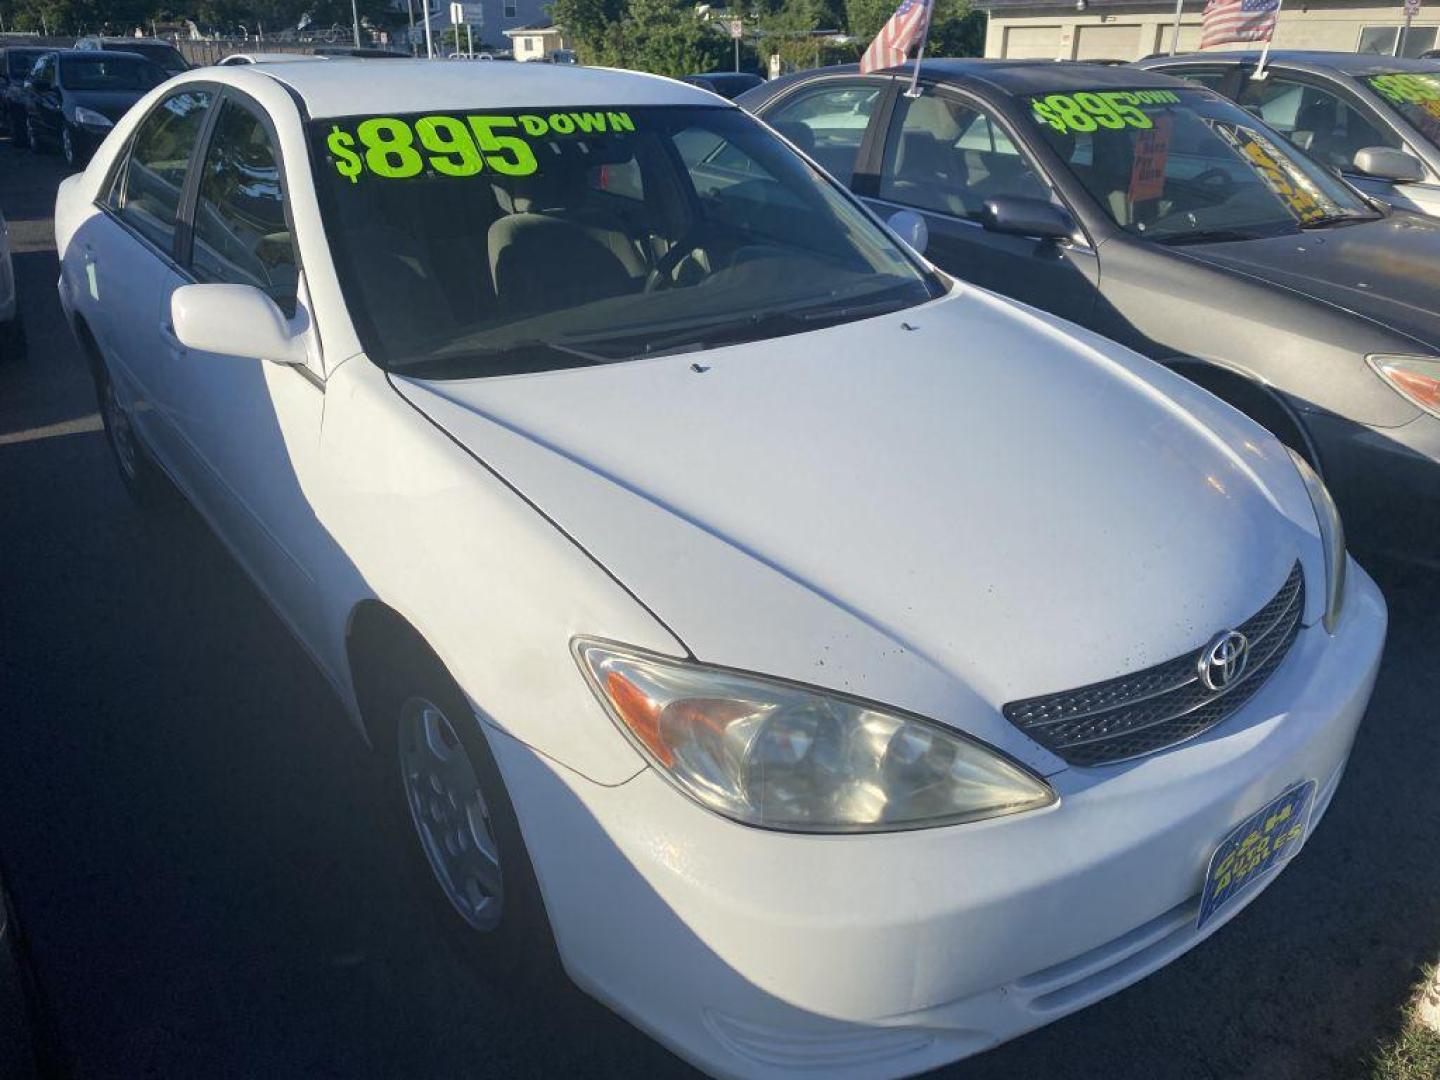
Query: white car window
point(241, 234)
point(147, 193)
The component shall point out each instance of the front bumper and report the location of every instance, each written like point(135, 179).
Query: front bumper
point(755, 953)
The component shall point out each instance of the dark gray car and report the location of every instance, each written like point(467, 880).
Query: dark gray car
point(1375, 118)
point(1161, 215)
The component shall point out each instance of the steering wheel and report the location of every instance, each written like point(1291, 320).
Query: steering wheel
point(1216, 179)
point(661, 275)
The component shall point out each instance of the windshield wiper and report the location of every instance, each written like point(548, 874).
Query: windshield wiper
point(511, 358)
point(1209, 236)
point(774, 322)
point(1336, 219)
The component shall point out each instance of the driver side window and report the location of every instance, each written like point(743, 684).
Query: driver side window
point(949, 157)
point(1323, 124)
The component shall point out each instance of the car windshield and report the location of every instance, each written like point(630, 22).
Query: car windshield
point(1186, 165)
point(101, 72)
point(1415, 95)
point(165, 56)
point(531, 240)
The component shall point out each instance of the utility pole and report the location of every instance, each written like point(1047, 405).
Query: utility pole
point(355, 19)
point(410, 10)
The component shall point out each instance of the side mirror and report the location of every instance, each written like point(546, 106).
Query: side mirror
point(1387, 163)
point(911, 228)
point(234, 320)
point(1015, 216)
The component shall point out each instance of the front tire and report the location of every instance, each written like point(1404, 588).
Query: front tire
point(142, 478)
point(74, 157)
point(463, 836)
point(19, 129)
point(32, 136)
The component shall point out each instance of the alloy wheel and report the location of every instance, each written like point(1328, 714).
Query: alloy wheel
point(451, 817)
point(120, 433)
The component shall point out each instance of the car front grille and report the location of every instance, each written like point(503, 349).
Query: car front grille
point(1149, 710)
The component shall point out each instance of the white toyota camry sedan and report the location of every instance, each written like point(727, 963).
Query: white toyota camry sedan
point(837, 666)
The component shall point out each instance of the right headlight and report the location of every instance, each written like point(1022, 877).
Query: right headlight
point(91, 118)
point(783, 756)
point(1332, 539)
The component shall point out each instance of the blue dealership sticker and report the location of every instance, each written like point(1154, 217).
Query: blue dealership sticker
point(1258, 844)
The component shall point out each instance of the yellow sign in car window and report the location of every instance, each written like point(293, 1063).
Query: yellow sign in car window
point(398, 148)
point(1088, 110)
point(1294, 189)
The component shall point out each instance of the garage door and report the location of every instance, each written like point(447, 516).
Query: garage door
point(1107, 42)
point(1032, 42)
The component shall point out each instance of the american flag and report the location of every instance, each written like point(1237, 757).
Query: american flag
point(1238, 20)
point(906, 27)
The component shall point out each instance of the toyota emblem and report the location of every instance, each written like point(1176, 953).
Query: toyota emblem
point(1223, 661)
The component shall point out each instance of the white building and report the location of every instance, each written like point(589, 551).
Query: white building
point(1128, 30)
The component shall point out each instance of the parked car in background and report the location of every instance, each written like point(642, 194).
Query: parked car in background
point(15, 65)
point(161, 53)
point(1374, 118)
point(1167, 218)
point(235, 59)
point(74, 97)
point(12, 329)
point(728, 84)
point(837, 623)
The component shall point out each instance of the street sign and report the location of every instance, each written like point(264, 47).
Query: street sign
point(457, 13)
point(737, 28)
point(1412, 8)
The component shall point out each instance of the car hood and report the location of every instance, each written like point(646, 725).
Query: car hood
point(111, 104)
point(945, 509)
point(1387, 270)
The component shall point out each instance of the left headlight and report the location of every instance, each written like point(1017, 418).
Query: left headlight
point(783, 756)
point(91, 118)
point(1332, 539)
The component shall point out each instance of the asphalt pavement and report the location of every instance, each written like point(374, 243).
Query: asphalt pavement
point(199, 848)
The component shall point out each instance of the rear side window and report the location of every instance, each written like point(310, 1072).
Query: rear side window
point(241, 235)
point(829, 124)
point(147, 192)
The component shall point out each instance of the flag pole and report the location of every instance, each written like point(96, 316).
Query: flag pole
point(914, 91)
point(1259, 75)
point(1175, 33)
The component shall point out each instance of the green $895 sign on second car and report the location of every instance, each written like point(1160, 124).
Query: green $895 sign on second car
point(398, 148)
point(1088, 110)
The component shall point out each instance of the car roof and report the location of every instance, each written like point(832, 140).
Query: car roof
point(1344, 63)
point(407, 86)
point(89, 54)
point(1018, 77)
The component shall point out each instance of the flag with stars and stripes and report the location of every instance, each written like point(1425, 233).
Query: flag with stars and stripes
point(905, 29)
point(1238, 20)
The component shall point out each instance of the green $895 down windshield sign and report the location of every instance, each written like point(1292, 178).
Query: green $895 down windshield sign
point(397, 149)
point(1087, 110)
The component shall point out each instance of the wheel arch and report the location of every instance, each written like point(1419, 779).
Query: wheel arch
point(376, 636)
point(1254, 397)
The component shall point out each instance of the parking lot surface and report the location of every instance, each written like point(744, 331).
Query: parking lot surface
point(200, 850)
